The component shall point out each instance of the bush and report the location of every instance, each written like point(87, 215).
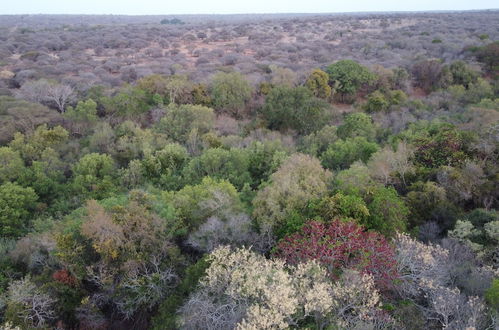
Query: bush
point(294, 108)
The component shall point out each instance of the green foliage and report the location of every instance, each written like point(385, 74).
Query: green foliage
point(94, 176)
point(165, 165)
point(425, 200)
point(444, 145)
point(22, 116)
point(230, 92)
point(376, 102)
point(130, 102)
point(356, 180)
point(194, 204)
point(348, 76)
point(299, 180)
point(294, 108)
point(85, 111)
point(462, 74)
point(343, 153)
point(492, 294)
point(343, 206)
point(11, 165)
point(32, 146)
point(180, 121)
point(387, 212)
point(318, 83)
point(166, 317)
point(16, 207)
point(317, 142)
point(357, 124)
point(231, 165)
point(489, 56)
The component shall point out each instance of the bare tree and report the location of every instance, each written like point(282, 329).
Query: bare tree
point(61, 95)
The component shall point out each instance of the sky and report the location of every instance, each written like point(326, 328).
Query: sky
point(177, 7)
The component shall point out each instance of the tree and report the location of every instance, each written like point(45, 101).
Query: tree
point(424, 278)
point(50, 92)
point(341, 244)
point(83, 116)
point(343, 206)
point(197, 203)
point(245, 290)
point(31, 146)
point(298, 180)
point(462, 74)
point(343, 153)
point(357, 124)
point(230, 92)
point(164, 166)
point(431, 75)
point(282, 76)
point(28, 306)
point(488, 55)
point(11, 165)
point(387, 212)
point(16, 205)
point(318, 83)
point(294, 108)
point(61, 95)
point(218, 163)
point(94, 175)
point(376, 102)
point(386, 163)
point(347, 76)
point(180, 121)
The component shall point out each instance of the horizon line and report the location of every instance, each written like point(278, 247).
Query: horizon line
point(265, 13)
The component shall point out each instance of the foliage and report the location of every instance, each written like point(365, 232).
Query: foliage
point(244, 290)
point(318, 83)
point(16, 207)
point(231, 165)
point(343, 153)
point(230, 92)
point(298, 180)
point(294, 108)
point(180, 121)
point(338, 245)
point(357, 124)
point(93, 175)
point(347, 76)
point(387, 212)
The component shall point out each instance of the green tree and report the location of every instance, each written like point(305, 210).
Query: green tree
point(194, 204)
point(347, 77)
point(230, 92)
point(343, 153)
point(318, 83)
point(387, 212)
point(94, 176)
point(376, 102)
point(462, 74)
point(165, 165)
point(83, 116)
point(299, 180)
point(231, 165)
point(180, 121)
point(294, 108)
point(357, 124)
point(16, 205)
point(11, 165)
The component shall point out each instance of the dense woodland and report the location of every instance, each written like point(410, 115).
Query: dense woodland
point(250, 172)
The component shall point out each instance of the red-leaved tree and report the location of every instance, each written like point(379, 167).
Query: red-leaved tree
point(341, 245)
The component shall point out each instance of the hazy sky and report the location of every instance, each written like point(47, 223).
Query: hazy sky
point(165, 7)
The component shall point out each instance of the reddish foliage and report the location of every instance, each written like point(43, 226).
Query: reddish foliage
point(339, 245)
point(64, 276)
